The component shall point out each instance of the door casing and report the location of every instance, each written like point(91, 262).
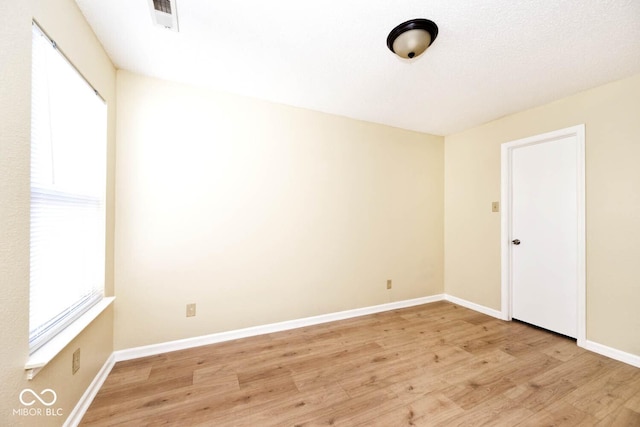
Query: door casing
point(506, 219)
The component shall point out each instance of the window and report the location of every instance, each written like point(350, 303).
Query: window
point(68, 181)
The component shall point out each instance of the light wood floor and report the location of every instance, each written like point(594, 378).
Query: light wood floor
point(435, 364)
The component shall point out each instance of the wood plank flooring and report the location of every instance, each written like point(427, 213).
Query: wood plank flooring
point(430, 365)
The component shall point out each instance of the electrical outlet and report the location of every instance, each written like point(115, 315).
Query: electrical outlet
point(389, 284)
point(75, 364)
point(191, 310)
point(495, 206)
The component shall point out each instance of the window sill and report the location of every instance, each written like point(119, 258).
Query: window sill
point(47, 352)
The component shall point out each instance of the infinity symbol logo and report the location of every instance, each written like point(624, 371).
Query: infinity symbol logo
point(35, 395)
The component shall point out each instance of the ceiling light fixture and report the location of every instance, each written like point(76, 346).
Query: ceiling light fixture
point(409, 39)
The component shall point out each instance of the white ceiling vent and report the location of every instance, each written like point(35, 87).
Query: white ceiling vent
point(164, 13)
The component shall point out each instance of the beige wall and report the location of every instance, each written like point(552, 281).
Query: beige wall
point(261, 213)
point(611, 114)
point(63, 21)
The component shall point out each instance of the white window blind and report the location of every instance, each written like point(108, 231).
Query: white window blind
point(68, 181)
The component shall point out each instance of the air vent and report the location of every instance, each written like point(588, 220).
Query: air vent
point(164, 13)
point(162, 6)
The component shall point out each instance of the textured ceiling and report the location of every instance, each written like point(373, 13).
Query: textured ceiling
point(491, 58)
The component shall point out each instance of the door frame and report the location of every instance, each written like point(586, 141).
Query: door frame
point(506, 189)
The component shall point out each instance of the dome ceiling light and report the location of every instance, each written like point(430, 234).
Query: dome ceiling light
point(409, 39)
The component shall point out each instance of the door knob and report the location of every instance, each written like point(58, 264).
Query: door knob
point(516, 242)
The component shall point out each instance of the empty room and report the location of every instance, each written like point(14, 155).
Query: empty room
point(286, 213)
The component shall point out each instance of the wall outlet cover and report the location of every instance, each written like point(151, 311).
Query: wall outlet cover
point(191, 310)
point(75, 364)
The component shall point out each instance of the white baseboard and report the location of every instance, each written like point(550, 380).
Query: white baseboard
point(153, 349)
point(475, 307)
point(83, 404)
point(619, 355)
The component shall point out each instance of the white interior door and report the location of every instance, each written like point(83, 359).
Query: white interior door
point(545, 237)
